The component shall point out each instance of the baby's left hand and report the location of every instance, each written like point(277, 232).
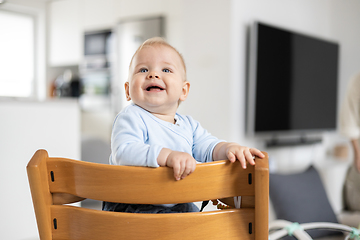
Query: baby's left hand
point(234, 151)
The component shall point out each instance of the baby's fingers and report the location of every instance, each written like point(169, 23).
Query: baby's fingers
point(257, 152)
point(189, 168)
point(177, 170)
point(249, 157)
point(231, 156)
point(241, 157)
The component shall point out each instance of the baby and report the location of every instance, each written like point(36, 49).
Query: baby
point(151, 133)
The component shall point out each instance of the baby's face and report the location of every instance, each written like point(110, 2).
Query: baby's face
point(156, 80)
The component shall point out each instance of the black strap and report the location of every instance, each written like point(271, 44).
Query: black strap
point(203, 205)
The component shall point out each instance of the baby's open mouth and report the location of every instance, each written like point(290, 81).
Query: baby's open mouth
point(154, 88)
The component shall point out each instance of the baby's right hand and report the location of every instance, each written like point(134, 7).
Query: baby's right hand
point(182, 163)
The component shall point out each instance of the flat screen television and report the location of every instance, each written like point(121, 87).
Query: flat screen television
point(292, 85)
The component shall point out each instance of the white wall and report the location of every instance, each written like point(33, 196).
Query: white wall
point(24, 128)
point(206, 39)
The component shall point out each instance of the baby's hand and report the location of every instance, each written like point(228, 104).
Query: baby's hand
point(182, 163)
point(234, 151)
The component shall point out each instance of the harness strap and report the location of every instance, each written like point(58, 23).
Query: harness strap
point(203, 205)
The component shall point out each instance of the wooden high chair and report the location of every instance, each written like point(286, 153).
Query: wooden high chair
point(55, 182)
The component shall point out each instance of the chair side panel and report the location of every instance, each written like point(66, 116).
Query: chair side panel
point(77, 223)
point(39, 186)
point(143, 185)
point(262, 198)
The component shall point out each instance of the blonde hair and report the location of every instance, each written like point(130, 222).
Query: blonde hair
point(158, 41)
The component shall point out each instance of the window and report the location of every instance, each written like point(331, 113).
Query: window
point(17, 55)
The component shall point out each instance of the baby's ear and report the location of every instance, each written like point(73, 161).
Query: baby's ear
point(127, 91)
point(185, 91)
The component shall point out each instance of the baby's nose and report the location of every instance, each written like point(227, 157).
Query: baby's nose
point(153, 74)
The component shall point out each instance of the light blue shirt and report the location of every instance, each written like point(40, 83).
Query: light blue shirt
point(138, 137)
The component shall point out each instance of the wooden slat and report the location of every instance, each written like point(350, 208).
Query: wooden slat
point(39, 186)
point(248, 201)
point(77, 223)
point(111, 183)
point(148, 185)
point(262, 198)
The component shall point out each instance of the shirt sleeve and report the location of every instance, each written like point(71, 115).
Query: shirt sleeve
point(128, 147)
point(350, 110)
point(204, 143)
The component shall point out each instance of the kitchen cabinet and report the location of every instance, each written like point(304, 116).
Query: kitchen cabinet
point(68, 20)
point(97, 15)
point(65, 33)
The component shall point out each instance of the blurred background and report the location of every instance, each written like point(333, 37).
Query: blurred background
point(63, 64)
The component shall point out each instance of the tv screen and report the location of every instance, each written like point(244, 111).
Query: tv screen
point(293, 82)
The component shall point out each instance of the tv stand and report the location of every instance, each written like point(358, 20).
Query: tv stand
point(277, 142)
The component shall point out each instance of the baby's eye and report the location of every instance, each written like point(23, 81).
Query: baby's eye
point(143, 70)
point(166, 70)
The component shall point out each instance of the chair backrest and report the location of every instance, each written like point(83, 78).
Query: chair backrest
point(55, 182)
